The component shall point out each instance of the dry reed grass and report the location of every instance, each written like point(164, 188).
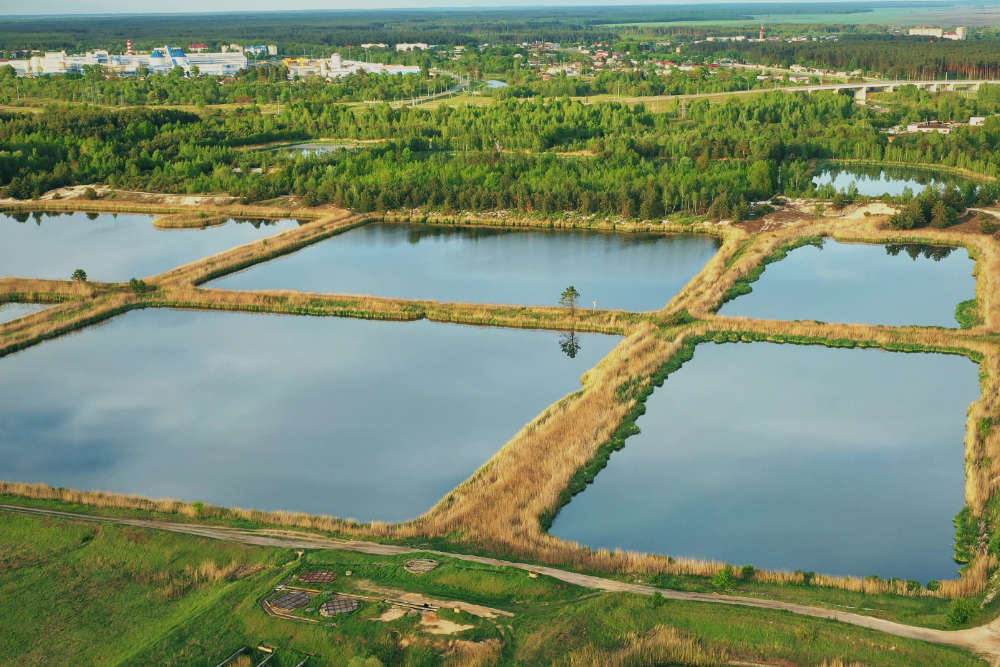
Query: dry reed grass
point(189, 220)
point(465, 653)
point(343, 305)
point(168, 205)
point(661, 645)
point(47, 290)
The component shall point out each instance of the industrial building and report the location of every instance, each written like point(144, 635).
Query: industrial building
point(160, 60)
point(335, 67)
point(960, 34)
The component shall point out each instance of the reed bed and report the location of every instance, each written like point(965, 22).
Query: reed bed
point(189, 220)
point(661, 645)
point(378, 308)
point(171, 204)
point(34, 290)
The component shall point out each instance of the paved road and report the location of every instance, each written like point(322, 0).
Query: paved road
point(461, 83)
point(983, 640)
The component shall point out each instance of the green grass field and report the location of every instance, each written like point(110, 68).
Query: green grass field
point(79, 593)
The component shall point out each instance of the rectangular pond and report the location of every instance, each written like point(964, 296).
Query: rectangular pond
point(112, 247)
point(840, 461)
point(482, 265)
point(842, 282)
point(13, 311)
point(360, 419)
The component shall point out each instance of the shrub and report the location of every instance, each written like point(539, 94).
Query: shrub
point(961, 610)
point(987, 223)
point(747, 572)
point(89, 193)
point(724, 579)
point(80, 275)
point(807, 577)
point(657, 600)
point(933, 585)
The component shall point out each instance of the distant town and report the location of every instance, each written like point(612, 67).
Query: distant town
point(549, 58)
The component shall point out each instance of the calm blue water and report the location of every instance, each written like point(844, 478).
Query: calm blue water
point(313, 149)
point(792, 457)
point(12, 311)
point(370, 420)
point(894, 285)
point(875, 183)
point(626, 271)
point(112, 247)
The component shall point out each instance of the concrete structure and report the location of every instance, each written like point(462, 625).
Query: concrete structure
point(414, 46)
point(929, 127)
point(160, 60)
point(861, 90)
point(960, 34)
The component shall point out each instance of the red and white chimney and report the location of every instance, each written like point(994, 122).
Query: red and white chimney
point(128, 47)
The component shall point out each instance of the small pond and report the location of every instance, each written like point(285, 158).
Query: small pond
point(842, 282)
point(484, 265)
point(876, 181)
point(840, 461)
point(111, 247)
point(369, 420)
point(315, 148)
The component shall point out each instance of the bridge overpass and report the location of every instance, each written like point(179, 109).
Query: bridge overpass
point(862, 89)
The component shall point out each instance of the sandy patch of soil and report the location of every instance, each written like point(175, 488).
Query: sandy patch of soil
point(418, 599)
point(433, 624)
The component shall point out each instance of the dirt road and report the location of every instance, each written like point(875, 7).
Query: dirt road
point(983, 640)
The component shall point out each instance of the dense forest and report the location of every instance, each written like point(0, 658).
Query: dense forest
point(549, 156)
point(261, 85)
point(895, 57)
point(637, 83)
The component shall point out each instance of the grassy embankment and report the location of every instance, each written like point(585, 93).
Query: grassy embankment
point(109, 594)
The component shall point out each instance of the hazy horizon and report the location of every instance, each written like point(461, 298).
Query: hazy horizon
point(54, 8)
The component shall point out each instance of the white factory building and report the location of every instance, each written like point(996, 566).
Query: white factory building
point(159, 61)
point(336, 67)
point(961, 33)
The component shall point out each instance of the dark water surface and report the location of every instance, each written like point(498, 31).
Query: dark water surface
point(873, 284)
point(792, 457)
point(626, 271)
point(112, 247)
point(370, 420)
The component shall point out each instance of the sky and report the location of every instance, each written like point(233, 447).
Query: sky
point(20, 7)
